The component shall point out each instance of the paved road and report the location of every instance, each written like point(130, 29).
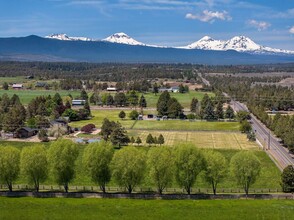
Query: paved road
point(271, 144)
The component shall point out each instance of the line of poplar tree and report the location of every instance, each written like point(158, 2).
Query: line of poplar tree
point(127, 167)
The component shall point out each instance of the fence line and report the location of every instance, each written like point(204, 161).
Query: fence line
point(117, 189)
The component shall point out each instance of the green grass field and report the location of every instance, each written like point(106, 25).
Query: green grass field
point(269, 178)
point(185, 125)
point(99, 115)
point(181, 125)
point(61, 208)
point(27, 95)
point(184, 99)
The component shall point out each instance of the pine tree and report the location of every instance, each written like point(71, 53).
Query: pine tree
point(229, 113)
point(132, 140)
point(194, 105)
point(162, 103)
point(84, 95)
point(119, 136)
point(160, 139)
point(209, 113)
point(109, 100)
point(219, 111)
point(5, 86)
point(87, 107)
point(122, 115)
point(133, 98)
point(149, 139)
point(142, 102)
point(138, 141)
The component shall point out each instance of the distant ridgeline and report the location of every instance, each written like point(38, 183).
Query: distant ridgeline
point(34, 48)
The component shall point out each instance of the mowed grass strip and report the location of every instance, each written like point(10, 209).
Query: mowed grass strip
point(212, 140)
point(186, 125)
point(68, 208)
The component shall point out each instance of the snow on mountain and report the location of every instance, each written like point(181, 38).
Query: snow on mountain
point(206, 43)
point(238, 43)
point(65, 37)
point(241, 43)
point(122, 38)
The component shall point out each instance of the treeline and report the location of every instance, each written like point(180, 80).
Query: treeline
point(39, 112)
point(271, 97)
point(128, 166)
point(91, 71)
point(259, 68)
point(210, 108)
point(261, 99)
point(119, 99)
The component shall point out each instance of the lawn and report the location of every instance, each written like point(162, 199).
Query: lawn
point(269, 177)
point(99, 115)
point(186, 125)
point(65, 208)
point(27, 95)
point(215, 140)
point(179, 125)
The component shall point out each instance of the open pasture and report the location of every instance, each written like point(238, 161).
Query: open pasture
point(27, 95)
point(65, 208)
point(186, 125)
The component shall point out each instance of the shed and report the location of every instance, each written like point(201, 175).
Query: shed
point(25, 132)
point(17, 86)
point(140, 117)
point(78, 102)
point(111, 89)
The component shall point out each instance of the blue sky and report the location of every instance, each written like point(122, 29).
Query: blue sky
point(161, 22)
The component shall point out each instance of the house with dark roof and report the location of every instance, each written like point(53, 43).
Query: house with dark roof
point(25, 132)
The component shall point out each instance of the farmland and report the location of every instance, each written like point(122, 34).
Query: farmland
point(212, 140)
point(60, 208)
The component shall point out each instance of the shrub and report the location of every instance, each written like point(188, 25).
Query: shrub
point(88, 128)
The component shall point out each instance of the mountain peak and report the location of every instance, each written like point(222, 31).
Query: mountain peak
point(122, 38)
point(66, 37)
point(206, 38)
point(242, 43)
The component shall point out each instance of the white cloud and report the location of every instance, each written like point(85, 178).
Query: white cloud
point(210, 16)
point(260, 25)
point(291, 30)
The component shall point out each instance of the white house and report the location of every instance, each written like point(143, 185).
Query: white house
point(17, 86)
point(78, 102)
point(111, 89)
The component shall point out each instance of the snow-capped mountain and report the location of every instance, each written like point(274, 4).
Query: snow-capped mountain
point(65, 37)
point(207, 43)
point(238, 43)
point(122, 38)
